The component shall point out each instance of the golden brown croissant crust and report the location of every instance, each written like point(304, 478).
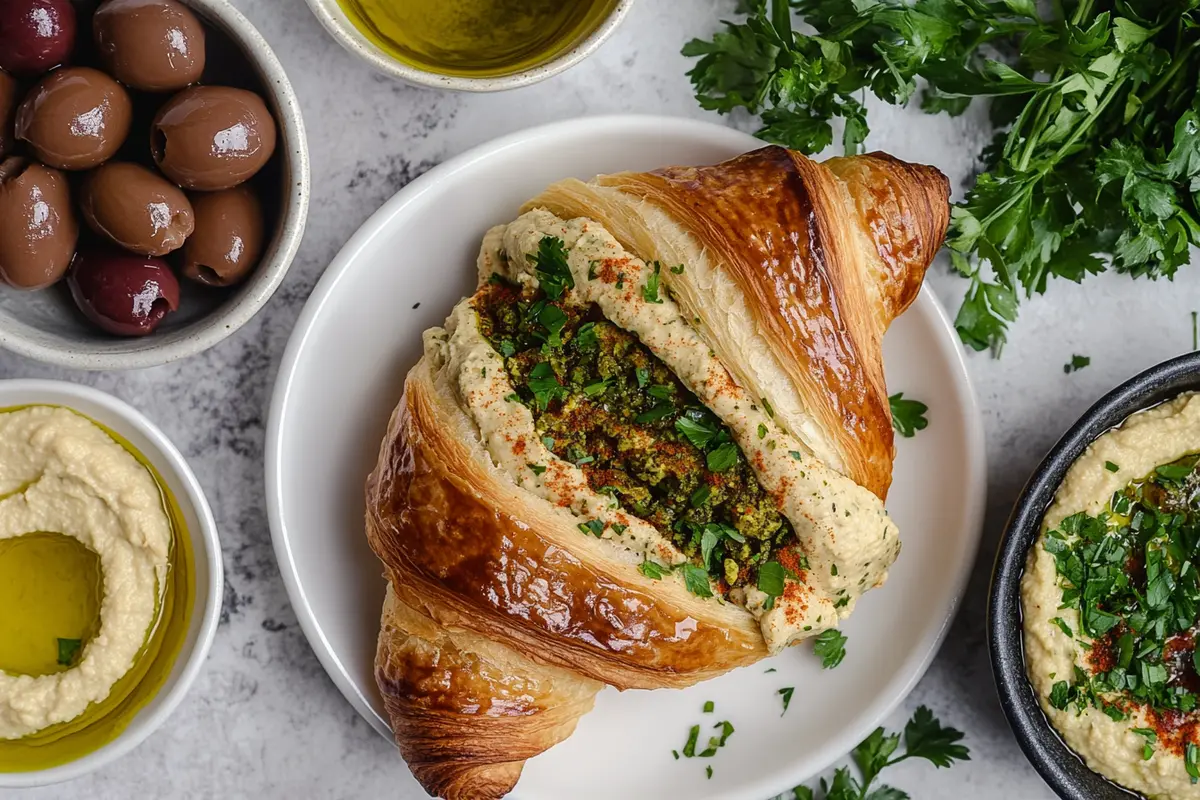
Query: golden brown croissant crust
point(502, 620)
point(780, 224)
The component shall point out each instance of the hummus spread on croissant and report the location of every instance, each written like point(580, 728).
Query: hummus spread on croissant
point(610, 405)
point(653, 446)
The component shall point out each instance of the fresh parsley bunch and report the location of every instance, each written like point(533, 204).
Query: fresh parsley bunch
point(1097, 159)
point(924, 737)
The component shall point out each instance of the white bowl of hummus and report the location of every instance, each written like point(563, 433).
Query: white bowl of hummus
point(1095, 613)
point(110, 580)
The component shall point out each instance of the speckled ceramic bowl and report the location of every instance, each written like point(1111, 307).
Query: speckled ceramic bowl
point(207, 571)
point(344, 31)
point(1058, 765)
point(46, 326)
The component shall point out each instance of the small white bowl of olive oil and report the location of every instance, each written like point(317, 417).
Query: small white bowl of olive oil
point(178, 642)
point(471, 45)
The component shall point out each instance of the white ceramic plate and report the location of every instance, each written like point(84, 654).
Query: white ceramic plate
point(342, 374)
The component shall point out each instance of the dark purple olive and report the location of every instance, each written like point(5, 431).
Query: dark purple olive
point(35, 35)
point(123, 293)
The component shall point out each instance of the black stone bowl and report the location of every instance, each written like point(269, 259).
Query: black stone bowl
point(1058, 765)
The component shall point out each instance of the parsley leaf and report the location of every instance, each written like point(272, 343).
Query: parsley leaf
point(723, 457)
point(544, 385)
point(550, 267)
point(908, 416)
point(771, 578)
point(1076, 363)
point(785, 694)
point(651, 570)
point(68, 649)
point(696, 580)
point(650, 290)
point(830, 647)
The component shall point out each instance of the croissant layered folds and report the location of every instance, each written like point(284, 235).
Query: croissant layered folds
point(654, 446)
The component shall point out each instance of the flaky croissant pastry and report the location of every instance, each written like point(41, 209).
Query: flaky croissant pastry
point(654, 446)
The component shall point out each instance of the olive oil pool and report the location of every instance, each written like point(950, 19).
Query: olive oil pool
point(476, 38)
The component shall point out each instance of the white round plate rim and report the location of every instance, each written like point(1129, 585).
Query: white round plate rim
point(615, 125)
point(206, 546)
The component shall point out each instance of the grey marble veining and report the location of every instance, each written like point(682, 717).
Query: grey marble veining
point(263, 720)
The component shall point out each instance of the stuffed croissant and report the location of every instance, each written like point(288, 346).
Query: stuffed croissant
point(652, 447)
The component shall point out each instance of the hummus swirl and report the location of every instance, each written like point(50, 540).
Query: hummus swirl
point(61, 473)
point(843, 530)
point(1116, 734)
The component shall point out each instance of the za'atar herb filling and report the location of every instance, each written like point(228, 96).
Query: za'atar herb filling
point(1132, 573)
point(602, 401)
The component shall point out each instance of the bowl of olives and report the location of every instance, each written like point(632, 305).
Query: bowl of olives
point(154, 178)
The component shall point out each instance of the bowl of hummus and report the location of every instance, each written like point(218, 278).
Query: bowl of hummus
point(110, 580)
point(1094, 617)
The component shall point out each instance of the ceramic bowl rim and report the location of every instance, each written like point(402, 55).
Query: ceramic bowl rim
point(235, 312)
point(206, 610)
point(1057, 764)
point(344, 32)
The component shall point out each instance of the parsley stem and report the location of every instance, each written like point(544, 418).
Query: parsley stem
point(1177, 63)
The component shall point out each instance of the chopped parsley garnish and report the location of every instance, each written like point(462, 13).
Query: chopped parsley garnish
point(1130, 574)
point(1076, 363)
point(689, 747)
point(795, 454)
point(660, 411)
point(550, 267)
point(548, 441)
point(785, 694)
point(767, 407)
point(643, 377)
point(585, 337)
point(771, 577)
point(700, 496)
point(709, 706)
point(830, 647)
point(696, 580)
point(651, 570)
point(699, 427)
point(552, 319)
point(724, 457)
point(592, 526)
point(595, 388)
point(1062, 625)
point(650, 290)
point(68, 649)
point(908, 416)
point(1111, 467)
point(545, 385)
point(762, 431)
point(677, 270)
point(618, 528)
point(537, 469)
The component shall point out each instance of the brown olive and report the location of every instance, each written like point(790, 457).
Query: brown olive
point(153, 45)
point(75, 118)
point(122, 293)
point(212, 137)
point(9, 98)
point(136, 208)
point(228, 238)
point(38, 230)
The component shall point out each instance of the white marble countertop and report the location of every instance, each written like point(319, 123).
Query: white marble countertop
point(263, 720)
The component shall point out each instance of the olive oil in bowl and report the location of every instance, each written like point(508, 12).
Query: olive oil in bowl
point(476, 38)
point(51, 590)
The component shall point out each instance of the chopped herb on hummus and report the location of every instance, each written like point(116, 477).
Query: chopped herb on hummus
point(601, 400)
